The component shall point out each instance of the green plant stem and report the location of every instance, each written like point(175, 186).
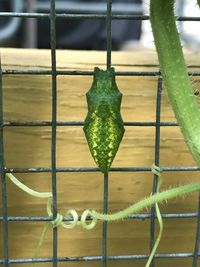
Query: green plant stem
point(175, 74)
point(198, 1)
point(147, 202)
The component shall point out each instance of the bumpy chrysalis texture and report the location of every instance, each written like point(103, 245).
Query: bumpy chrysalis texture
point(104, 127)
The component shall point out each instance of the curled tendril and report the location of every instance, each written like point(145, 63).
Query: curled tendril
point(58, 221)
point(84, 216)
point(156, 170)
point(59, 218)
point(74, 221)
point(75, 218)
point(95, 216)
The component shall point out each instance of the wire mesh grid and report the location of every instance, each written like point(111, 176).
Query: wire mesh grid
point(104, 258)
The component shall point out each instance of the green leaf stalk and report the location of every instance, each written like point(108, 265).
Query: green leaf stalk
point(175, 74)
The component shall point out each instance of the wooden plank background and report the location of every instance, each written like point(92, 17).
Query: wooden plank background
point(28, 98)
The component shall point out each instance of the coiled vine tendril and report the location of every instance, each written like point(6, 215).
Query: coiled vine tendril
point(95, 216)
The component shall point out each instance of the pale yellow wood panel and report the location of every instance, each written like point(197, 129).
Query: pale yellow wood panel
point(138, 102)
point(85, 60)
point(28, 98)
point(30, 147)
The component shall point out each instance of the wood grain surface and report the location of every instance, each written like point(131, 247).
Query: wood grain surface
point(28, 98)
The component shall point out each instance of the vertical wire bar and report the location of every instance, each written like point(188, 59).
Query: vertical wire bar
point(54, 119)
point(157, 160)
point(3, 180)
point(109, 32)
point(104, 229)
point(197, 240)
point(105, 198)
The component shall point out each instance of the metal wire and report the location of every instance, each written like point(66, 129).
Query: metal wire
point(105, 199)
point(54, 119)
point(157, 162)
point(99, 258)
point(86, 16)
point(104, 258)
point(85, 73)
point(3, 180)
point(197, 239)
point(133, 216)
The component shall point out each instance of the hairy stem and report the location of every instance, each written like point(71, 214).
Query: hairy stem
point(147, 202)
point(175, 74)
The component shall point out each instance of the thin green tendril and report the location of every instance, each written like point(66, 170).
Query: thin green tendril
point(95, 216)
point(41, 241)
point(59, 218)
point(27, 189)
point(156, 170)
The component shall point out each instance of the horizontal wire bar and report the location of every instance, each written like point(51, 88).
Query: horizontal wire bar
point(119, 169)
point(75, 123)
point(88, 73)
point(88, 16)
point(99, 258)
point(24, 15)
point(67, 219)
point(74, 16)
point(79, 72)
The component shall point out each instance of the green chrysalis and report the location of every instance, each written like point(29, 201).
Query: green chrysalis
point(104, 127)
